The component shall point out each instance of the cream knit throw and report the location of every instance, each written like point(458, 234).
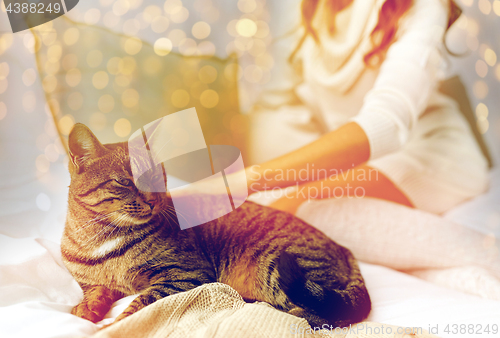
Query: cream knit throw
point(217, 310)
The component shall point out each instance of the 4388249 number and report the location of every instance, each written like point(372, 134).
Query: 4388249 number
point(471, 329)
point(39, 8)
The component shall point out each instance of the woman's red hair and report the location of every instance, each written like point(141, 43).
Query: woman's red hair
point(382, 36)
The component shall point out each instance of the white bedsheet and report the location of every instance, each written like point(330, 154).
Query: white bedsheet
point(37, 294)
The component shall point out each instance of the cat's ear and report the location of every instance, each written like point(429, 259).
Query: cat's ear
point(83, 145)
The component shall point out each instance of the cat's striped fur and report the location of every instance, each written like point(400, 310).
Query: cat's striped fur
point(120, 241)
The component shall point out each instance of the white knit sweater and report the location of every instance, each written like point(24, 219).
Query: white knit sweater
point(387, 101)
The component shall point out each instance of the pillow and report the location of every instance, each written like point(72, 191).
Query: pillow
point(115, 83)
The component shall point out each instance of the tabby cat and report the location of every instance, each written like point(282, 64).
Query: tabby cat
point(121, 241)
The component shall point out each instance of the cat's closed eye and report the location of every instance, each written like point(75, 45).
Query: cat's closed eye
point(123, 181)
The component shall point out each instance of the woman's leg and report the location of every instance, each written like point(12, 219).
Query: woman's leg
point(357, 182)
point(411, 240)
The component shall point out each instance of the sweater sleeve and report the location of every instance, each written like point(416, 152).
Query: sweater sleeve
point(413, 65)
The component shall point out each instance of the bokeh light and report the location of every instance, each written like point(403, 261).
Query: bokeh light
point(180, 98)
point(181, 16)
point(483, 126)
point(5, 42)
point(490, 57)
point(172, 6)
point(120, 7)
point(163, 46)
point(481, 68)
point(484, 6)
point(246, 27)
point(247, 6)
point(132, 46)
point(201, 30)
point(497, 72)
point(100, 79)
point(481, 111)
point(209, 98)
point(122, 127)
point(66, 123)
point(480, 89)
point(496, 7)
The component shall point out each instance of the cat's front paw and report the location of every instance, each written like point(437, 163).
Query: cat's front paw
point(90, 310)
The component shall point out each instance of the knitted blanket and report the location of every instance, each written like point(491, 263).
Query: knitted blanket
point(217, 310)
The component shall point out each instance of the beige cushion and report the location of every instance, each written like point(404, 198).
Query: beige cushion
point(115, 84)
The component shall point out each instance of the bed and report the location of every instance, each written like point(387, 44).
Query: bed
point(37, 292)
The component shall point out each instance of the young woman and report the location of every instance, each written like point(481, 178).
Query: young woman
point(370, 121)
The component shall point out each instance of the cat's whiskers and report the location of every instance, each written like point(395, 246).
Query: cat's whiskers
point(115, 227)
point(177, 213)
point(167, 216)
point(95, 220)
point(171, 212)
point(105, 227)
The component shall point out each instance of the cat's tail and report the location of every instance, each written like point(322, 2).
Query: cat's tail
point(339, 307)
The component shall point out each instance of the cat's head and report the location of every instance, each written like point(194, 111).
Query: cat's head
point(102, 181)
